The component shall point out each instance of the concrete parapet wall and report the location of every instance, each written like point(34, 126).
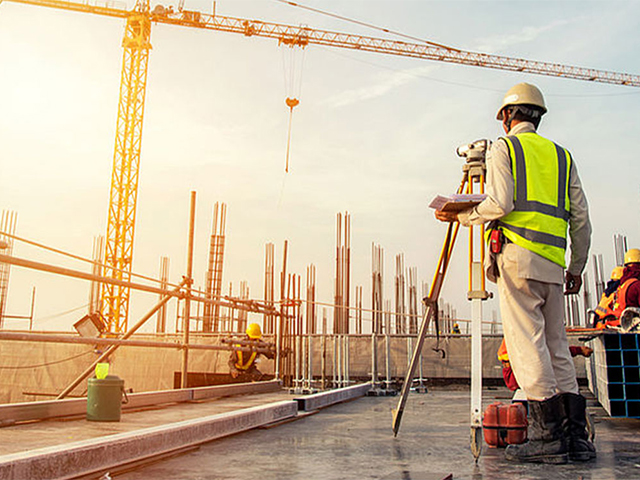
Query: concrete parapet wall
point(38, 371)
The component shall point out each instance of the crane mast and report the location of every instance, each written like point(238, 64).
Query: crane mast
point(136, 45)
point(124, 178)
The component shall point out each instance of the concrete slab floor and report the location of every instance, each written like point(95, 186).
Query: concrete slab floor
point(48, 433)
point(354, 441)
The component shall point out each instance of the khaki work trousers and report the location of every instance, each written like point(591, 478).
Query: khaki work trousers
point(533, 323)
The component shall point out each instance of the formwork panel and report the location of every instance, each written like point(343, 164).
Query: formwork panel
point(613, 373)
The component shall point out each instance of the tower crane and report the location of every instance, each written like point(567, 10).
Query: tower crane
point(136, 45)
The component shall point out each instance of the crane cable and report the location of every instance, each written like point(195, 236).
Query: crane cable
point(292, 91)
point(368, 25)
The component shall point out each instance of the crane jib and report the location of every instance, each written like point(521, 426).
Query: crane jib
point(302, 36)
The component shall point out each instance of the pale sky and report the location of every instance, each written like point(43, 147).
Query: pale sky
point(374, 135)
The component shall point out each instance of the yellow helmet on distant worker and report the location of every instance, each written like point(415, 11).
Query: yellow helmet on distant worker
point(616, 273)
point(253, 331)
point(522, 94)
point(632, 256)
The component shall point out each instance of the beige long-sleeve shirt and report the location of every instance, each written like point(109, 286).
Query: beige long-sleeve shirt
point(499, 202)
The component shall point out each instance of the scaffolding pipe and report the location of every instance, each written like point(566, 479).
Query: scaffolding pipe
point(52, 338)
point(113, 348)
point(22, 262)
point(186, 321)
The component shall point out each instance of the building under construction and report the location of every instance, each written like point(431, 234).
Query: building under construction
point(346, 368)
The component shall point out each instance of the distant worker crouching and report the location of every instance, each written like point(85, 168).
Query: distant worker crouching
point(243, 364)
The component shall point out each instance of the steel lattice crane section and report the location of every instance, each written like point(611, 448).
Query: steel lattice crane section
point(136, 44)
point(126, 162)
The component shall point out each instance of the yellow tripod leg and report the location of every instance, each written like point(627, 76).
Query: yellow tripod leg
point(434, 293)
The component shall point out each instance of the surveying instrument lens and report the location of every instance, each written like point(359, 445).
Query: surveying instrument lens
point(474, 151)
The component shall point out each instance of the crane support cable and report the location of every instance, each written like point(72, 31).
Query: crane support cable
point(364, 24)
point(302, 36)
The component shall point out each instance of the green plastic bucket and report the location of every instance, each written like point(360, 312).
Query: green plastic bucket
point(104, 399)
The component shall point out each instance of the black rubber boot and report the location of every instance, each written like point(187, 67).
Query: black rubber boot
point(578, 444)
point(546, 443)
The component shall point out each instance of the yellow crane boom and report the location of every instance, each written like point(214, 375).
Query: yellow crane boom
point(136, 45)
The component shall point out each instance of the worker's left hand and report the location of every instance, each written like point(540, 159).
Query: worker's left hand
point(446, 216)
point(573, 283)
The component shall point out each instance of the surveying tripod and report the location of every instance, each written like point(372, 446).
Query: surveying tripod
point(473, 181)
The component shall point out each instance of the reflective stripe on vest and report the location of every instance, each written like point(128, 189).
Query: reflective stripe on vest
point(605, 306)
point(539, 219)
point(621, 297)
point(240, 365)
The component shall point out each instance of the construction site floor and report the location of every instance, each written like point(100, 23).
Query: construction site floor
point(353, 440)
point(58, 432)
point(350, 440)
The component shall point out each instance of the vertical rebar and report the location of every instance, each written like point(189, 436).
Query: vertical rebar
point(269, 281)
point(187, 298)
point(374, 360)
point(387, 343)
point(346, 361)
point(298, 381)
point(323, 366)
point(335, 360)
point(347, 274)
point(280, 320)
point(337, 311)
point(309, 361)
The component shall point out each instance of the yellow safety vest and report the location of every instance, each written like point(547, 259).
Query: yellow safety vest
point(240, 365)
point(541, 171)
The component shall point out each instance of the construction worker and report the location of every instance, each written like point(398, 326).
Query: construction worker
point(603, 314)
point(628, 293)
point(243, 364)
point(455, 329)
point(533, 195)
point(507, 372)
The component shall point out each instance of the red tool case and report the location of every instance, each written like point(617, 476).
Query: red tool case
point(505, 424)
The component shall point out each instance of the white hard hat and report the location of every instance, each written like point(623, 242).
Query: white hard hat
point(523, 94)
